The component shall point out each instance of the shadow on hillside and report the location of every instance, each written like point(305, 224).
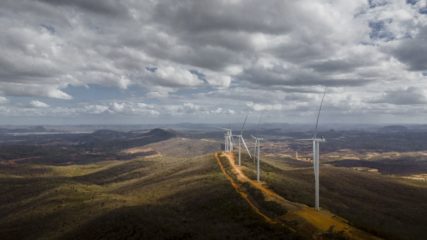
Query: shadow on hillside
point(213, 212)
point(118, 173)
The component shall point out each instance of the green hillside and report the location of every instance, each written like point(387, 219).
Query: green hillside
point(156, 198)
point(173, 195)
point(386, 206)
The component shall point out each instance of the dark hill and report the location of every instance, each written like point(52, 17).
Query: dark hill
point(158, 132)
point(393, 129)
point(78, 148)
point(115, 140)
point(105, 133)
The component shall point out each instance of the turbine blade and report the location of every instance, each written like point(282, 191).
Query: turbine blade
point(246, 147)
point(243, 126)
point(318, 113)
point(259, 121)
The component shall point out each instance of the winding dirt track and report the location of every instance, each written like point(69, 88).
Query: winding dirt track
point(244, 194)
point(303, 219)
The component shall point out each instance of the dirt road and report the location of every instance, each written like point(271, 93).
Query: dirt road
point(299, 217)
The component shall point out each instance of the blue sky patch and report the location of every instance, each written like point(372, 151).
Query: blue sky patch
point(377, 3)
point(412, 2)
point(97, 93)
point(50, 28)
point(379, 31)
point(151, 69)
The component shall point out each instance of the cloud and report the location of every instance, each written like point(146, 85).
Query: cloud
point(220, 81)
point(38, 104)
point(95, 109)
point(34, 90)
point(3, 100)
point(198, 16)
point(172, 76)
point(408, 96)
point(217, 55)
point(413, 52)
point(105, 7)
point(264, 107)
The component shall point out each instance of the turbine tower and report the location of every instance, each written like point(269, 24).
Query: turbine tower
point(256, 130)
point(228, 141)
point(257, 156)
point(316, 156)
point(241, 141)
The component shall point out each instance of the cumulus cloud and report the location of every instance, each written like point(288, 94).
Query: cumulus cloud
point(413, 52)
point(38, 104)
point(408, 96)
point(3, 100)
point(95, 109)
point(124, 107)
point(105, 7)
point(264, 107)
point(221, 81)
point(224, 57)
point(171, 76)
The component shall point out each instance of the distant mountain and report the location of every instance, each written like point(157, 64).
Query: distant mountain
point(105, 133)
point(115, 140)
point(77, 148)
point(24, 129)
point(393, 129)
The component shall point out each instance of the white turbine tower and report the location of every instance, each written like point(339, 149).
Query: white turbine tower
point(257, 156)
point(316, 156)
point(228, 141)
point(256, 130)
point(241, 141)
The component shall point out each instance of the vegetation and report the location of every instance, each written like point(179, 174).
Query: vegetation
point(399, 166)
point(156, 198)
point(87, 186)
point(77, 148)
point(379, 204)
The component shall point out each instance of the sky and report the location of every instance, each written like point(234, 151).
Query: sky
point(212, 61)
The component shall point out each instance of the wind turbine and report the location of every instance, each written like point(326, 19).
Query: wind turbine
point(242, 140)
point(256, 130)
point(257, 155)
point(228, 141)
point(316, 158)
